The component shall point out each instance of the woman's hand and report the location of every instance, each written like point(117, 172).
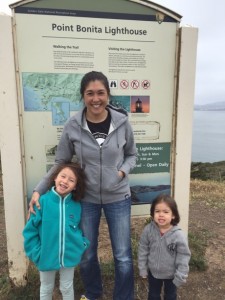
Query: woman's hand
point(121, 174)
point(34, 200)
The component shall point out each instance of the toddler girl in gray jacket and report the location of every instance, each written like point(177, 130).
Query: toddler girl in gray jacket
point(163, 254)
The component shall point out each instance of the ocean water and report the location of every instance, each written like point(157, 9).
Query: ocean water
point(208, 138)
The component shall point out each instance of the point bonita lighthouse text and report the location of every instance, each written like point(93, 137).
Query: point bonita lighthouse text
point(95, 29)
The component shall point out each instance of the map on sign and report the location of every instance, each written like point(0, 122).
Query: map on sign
point(60, 112)
point(58, 93)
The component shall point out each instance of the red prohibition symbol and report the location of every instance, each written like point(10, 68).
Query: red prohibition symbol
point(124, 84)
point(145, 84)
point(135, 84)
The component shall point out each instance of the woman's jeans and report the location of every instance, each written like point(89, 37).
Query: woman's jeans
point(155, 288)
point(65, 284)
point(118, 218)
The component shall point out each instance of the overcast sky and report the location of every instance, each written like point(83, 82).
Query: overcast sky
point(208, 17)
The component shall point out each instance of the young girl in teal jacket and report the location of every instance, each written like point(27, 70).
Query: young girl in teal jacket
point(52, 237)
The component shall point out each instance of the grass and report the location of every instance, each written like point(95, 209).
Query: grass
point(198, 243)
point(211, 192)
point(30, 291)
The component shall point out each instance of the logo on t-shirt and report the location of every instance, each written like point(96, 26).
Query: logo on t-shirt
point(172, 248)
point(100, 137)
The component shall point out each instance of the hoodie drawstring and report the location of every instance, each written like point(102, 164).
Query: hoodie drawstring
point(81, 158)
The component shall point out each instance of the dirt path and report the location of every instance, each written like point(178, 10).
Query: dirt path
point(205, 217)
point(207, 285)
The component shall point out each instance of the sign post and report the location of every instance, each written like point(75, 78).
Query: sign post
point(11, 156)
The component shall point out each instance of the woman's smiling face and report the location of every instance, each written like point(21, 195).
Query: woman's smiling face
point(96, 98)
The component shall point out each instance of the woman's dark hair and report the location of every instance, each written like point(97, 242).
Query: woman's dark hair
point(172, 205)
point(93, 76)
point(78, 193)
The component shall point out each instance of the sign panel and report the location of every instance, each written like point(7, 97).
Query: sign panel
point(137, 55)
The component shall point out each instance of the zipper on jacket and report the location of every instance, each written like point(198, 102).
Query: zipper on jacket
point(100, 186)
point(62, 235)
point(100, 156)
point(159, 253)
point(108, 136)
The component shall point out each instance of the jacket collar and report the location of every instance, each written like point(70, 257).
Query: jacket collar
point(117, 116)
point(57, 197)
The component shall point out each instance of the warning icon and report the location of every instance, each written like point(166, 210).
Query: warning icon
point(135, 84)
point(124, 84)
point(145, 84)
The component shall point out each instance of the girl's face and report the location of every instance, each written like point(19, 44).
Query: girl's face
point(65, 182)
point(95, 99)
point(163, 215)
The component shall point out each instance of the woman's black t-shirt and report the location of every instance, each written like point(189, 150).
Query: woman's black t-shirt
point(100, 130)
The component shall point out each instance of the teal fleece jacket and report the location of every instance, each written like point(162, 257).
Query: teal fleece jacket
point(52, 237)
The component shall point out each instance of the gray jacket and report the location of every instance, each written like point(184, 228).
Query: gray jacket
point(167, 256)
point(101, 164)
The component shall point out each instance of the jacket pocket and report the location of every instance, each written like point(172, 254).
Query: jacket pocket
point(111, 179)
point(77, 236)
point(76, 244)
point(92, 173)
point(73, 227)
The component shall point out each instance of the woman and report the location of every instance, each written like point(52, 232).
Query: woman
point(102, 139)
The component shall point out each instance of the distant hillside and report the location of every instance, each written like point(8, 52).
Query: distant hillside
point(208, 171)
point(211, 106)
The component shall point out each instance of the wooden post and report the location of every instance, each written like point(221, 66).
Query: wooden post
point(185, 104)
point(10, 145)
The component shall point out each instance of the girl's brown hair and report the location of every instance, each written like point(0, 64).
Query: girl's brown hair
point(172, 205)
point(78, 193)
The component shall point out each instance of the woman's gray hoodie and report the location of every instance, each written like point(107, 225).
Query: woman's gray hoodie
point(101, 164)
point(167, 256)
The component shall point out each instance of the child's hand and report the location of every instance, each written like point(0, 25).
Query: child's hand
point(34, 200)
